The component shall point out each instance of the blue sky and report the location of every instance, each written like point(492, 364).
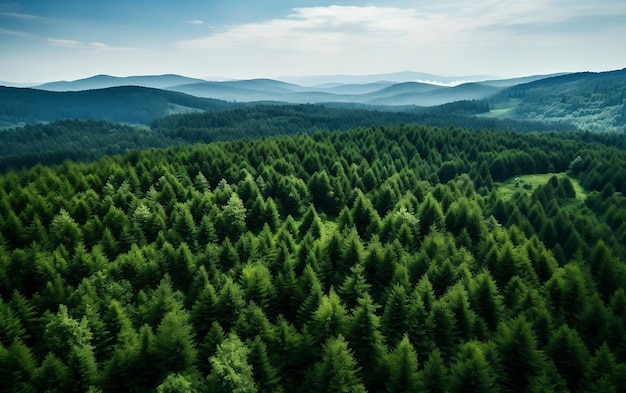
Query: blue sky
point(66, 40)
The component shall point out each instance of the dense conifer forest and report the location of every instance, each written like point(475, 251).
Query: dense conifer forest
point(84, 140)
point(403, 258)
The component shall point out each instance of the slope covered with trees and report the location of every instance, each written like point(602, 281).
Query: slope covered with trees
point(590, 101)
point(125, 104)
point(378, 259)
point(77, 140)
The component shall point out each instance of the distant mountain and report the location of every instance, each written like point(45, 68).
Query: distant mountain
point(517, 81)
point(401, 88)
point(395, 77)
point(12, 84)
point(377, 93)
point(105, 81)
point(119, 104)
point(590, 101)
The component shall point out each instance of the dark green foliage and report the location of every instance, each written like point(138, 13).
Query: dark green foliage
point(520, 361)
point(321, 262)
point(570, 356)
point(471, 371)
point(403, 375)
point(337, 371)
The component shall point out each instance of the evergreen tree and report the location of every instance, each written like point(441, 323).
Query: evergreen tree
point(394, 320)
point(471, 371)
point(365, 339)
point(265, 374)
point(435, 376)
point(403, 376)
point(174, 345)
point(175, 383)
point(570, 356)
point(520, 361)
point(231, 370)
point(337, 372)
point(329, 320)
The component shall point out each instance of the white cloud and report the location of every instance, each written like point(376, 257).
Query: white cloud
point(94, 46)
point(13, 32)
point(105, 47)
point(472, 37)
point(64, 43)
point(195, 22)
point(18, 15)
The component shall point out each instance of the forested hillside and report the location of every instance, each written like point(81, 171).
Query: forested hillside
point(126, 104)
point(590, 101)
point(377, 259)
point(77, 140)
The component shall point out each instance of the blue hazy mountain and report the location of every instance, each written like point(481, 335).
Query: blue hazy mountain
point(104, 81)
point(593, 101)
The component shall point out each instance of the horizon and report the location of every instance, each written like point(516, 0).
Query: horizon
point(293, 79)
point(70, 40)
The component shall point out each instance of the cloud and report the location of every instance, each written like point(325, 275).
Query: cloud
point(195, 22)
point(94, 46)
point(64, 43)
point(434, 37)
point(18, 15)
point(105, 47)
point(13, 32)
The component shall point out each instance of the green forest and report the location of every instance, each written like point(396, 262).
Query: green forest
point(85, 140)
point(392, 258)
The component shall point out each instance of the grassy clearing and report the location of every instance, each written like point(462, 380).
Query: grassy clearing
point(528, 184)
point(497, 113)
point(502, 110)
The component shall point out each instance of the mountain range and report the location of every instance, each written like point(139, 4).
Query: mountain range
point(593, 101)
point(405, 88)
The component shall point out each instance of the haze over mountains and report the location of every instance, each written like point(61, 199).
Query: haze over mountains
point(593, 101)
point(402, 88)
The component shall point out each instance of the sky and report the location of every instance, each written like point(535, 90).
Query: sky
point(49, 40)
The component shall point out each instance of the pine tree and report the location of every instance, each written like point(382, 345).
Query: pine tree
point(471, 372)
point(570, 356)
point(403, 376)
point(265, 375)
point(82, 368)
point(365, 339)
point(257, 285)
point(231, 370)
point(337, 372)
point(420, 326)
point(52, 375)
point(174, 345)
point(175, 383)
point(520, 361)
point(394, 319)
point(435, 377)
point(329, 320)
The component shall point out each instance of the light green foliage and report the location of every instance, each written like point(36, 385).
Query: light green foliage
point(64, 230)
point(64, 332)
point(231, 370)
point(175, 383)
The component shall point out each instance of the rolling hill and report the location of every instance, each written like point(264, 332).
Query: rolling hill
point(591, 101)
point(402, 88)
point(104, 81)
point(118, 104)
